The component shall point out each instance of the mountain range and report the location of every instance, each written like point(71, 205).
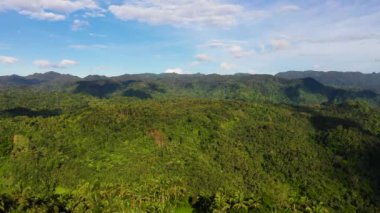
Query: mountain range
point(290, 87)
point(346, 80)
point(187, 143)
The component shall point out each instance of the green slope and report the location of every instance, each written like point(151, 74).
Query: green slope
point(166, 86)
point(74, 153)
point(345, 80)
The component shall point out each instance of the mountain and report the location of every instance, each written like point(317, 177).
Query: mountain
point(187, 143)
point(308, 88)
point(165, 86)
point(233, 87)
point(345, 80)
point(49, 80)
point(53, 76)
point(16, 81)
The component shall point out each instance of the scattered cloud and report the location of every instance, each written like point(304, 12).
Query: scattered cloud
point(345, 38)
point(85, 47)
point(226, 66)
point(8, 60)
point(233, 47)
point(42, 15)
point(202, 57)
point(272, 12)
point(67, 62)
point(238, 52)
point(45, 64)
point(199, 58)
point(175, 70)
point(79, 25)
point(280, 44)
point(52, 10)
point(95, 13)
point(221, 43)
point(179, 13)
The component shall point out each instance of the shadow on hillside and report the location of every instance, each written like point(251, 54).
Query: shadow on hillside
point(100, 88)
point(323, 122)
point(20, 111)
point(364, 159)
point(137, 94)
point(129, 82)
point(311, 86)
point(155, 87)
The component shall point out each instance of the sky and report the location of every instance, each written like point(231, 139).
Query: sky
point(115, 37)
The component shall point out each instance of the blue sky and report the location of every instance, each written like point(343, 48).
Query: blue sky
point(114, 37)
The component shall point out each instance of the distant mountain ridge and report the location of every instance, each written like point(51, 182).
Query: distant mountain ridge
point(35, 79)
point(53, 76)
point(345, 80)
point(15, 80)
point(278, 89)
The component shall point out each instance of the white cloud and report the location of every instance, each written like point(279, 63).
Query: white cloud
point(238, 52)
point(79, 25)
point(45, 64)
point(8, 60)
point(174, 70)
point(271, 12)
point(202, 57)
point(222, 43)
point(42, 15)
point(52, 10)
point(84, 46)
point(233, 47)
point(280, 44)
point(67, 62)
point(346, 38)
point(226, 66)
point(179, 13)
point(94, 13)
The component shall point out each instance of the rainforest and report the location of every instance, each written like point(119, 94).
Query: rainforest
point(187, 143)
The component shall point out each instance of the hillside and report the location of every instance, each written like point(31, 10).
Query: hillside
point(166, 86)
point(204, 143)
point(73, 152)
point(345, 80)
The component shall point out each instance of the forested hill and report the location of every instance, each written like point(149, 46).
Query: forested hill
point(346, 80)
point(164, 86)
point(62, 152)
point(186, 143)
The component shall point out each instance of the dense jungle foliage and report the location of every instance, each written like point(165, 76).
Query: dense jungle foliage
point(245, 87)
point(207, 148)
point(346, 80)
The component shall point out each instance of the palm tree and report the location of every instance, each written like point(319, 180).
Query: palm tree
point(239, 203)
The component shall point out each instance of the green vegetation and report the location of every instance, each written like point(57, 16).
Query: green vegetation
point(203, 148)
point(346, 80)
point(244, 87)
